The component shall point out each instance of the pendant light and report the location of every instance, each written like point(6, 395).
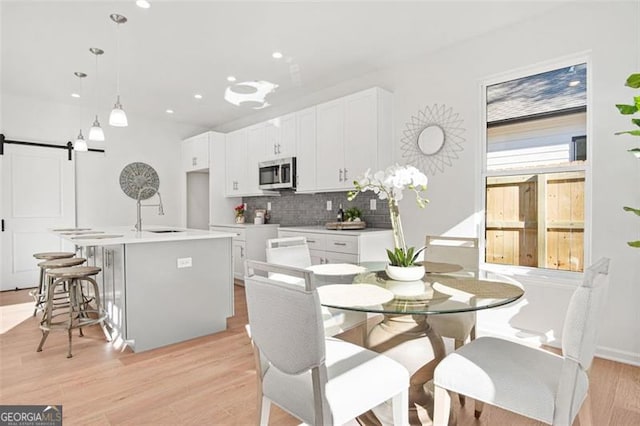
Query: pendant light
point(118, 118)
point(96, 133)
point(80, 144)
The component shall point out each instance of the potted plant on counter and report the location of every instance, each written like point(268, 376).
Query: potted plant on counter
point(389, 185)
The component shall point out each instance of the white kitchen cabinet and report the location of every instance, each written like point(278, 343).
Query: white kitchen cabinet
point(195, 153)
point(249, 243)
point(113, 286)
point(236, 163)
point(353, 134)
point(306, 150)
point(328, 246)
point(280, 137)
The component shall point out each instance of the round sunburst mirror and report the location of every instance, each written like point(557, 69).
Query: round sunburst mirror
point(432, 139)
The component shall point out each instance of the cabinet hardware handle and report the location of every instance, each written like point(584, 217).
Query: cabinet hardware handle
point(279, 152)
point(345, 175)
point(311, 241)
point(339, 244)
point(194, 161)
point(241, 251)
point(275, 149)
point(326, 260)
point(2, 225)
point(340, 175)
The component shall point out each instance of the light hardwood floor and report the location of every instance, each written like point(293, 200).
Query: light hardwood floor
point(209, 380)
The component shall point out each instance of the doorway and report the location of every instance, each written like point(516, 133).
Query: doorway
point(38, 194)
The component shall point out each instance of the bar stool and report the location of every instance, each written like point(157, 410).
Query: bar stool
point(46, 266)
point(38, 295)
point(78, 313)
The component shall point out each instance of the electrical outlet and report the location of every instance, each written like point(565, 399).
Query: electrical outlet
point(372, 204)
point(269, 206)
point(329, 206)
point(185, 262)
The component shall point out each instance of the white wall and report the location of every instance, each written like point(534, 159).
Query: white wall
point(100, 201)
point(452, 77)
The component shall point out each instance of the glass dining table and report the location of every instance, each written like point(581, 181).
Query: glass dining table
point(404, 333)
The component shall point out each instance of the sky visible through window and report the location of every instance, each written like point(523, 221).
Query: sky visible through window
point(561, 89)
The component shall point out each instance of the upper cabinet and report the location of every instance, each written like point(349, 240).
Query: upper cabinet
point(280, 137)
point(245, 148)
point(333, 143)
point(236, 158)
point(305, 146)
point(353, 134)
point(195, 153)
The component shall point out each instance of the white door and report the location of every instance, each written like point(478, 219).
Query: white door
point(38, 194)
point(330, 145)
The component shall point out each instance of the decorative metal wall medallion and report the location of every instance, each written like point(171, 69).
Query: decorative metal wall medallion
point(139, 181)
point(432, 139)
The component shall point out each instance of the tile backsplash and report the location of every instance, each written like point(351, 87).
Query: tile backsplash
point(291, 209)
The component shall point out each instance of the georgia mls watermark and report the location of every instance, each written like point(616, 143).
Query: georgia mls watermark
point(30, 415)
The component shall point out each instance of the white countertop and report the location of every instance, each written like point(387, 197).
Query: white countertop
point(244, 225)
point(323, 230)
point(126, 235)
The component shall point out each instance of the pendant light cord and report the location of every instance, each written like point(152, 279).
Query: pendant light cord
point(118, 61)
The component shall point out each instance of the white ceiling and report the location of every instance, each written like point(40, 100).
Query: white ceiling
point(178, 48)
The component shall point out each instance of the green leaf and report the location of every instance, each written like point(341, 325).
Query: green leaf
point(636, 99)
point(631, 209)
point(633, 81)
point(627, 109)
point(631, 132)
point(636, 121)
point(635, 244)
point(635, 151)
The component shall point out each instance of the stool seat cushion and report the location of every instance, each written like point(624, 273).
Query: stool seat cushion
point(62, 263)
point(49, 255)
point(75, 272)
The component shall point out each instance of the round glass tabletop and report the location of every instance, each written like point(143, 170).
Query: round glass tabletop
point(436, 293)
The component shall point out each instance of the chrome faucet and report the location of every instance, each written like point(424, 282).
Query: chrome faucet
point(140, 205)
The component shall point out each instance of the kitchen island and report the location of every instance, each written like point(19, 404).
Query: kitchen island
point(162, 285)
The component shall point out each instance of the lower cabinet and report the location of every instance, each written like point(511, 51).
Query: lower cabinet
point(327, 246)
point(113, 286)
point(250, 243)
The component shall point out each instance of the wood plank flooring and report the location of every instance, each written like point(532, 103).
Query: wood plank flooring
point(209, 380)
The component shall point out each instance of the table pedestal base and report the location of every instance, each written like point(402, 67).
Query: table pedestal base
point(410, 340)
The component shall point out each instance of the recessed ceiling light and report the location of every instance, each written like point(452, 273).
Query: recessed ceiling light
point(143, 4)
point(574, 83)
point(277, 55)
point(169, 111)
point(231, 78)
point(75, 95)
point(197, 96)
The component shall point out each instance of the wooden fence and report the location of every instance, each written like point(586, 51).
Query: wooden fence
point(536, 220)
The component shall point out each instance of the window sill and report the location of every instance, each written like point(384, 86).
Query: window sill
point(536, 275)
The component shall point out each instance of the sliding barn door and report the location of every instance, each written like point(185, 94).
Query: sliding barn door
point(38, 194)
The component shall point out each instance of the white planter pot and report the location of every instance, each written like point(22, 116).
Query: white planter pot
point(405, 273)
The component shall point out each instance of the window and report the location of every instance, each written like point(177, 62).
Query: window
point(534, 170)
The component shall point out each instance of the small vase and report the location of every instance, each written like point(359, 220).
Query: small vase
point(405, 273)
point(239, 219)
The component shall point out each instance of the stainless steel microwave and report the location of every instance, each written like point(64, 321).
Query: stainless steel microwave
point(277, 174)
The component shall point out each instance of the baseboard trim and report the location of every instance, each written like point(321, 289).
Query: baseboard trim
point(605, 352)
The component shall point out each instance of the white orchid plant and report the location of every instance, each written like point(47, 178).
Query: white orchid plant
point(389, 185)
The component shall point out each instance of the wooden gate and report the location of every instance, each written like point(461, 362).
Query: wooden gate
point(536, 220)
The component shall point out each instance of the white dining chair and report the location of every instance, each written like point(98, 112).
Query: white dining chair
point(462, 251)
point(320, 380)
point(526, 380)
point(294, 251)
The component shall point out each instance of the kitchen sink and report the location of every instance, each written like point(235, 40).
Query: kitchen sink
point(163, 231)
point(95, 237)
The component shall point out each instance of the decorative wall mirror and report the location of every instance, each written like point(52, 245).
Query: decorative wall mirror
point(433, 139)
